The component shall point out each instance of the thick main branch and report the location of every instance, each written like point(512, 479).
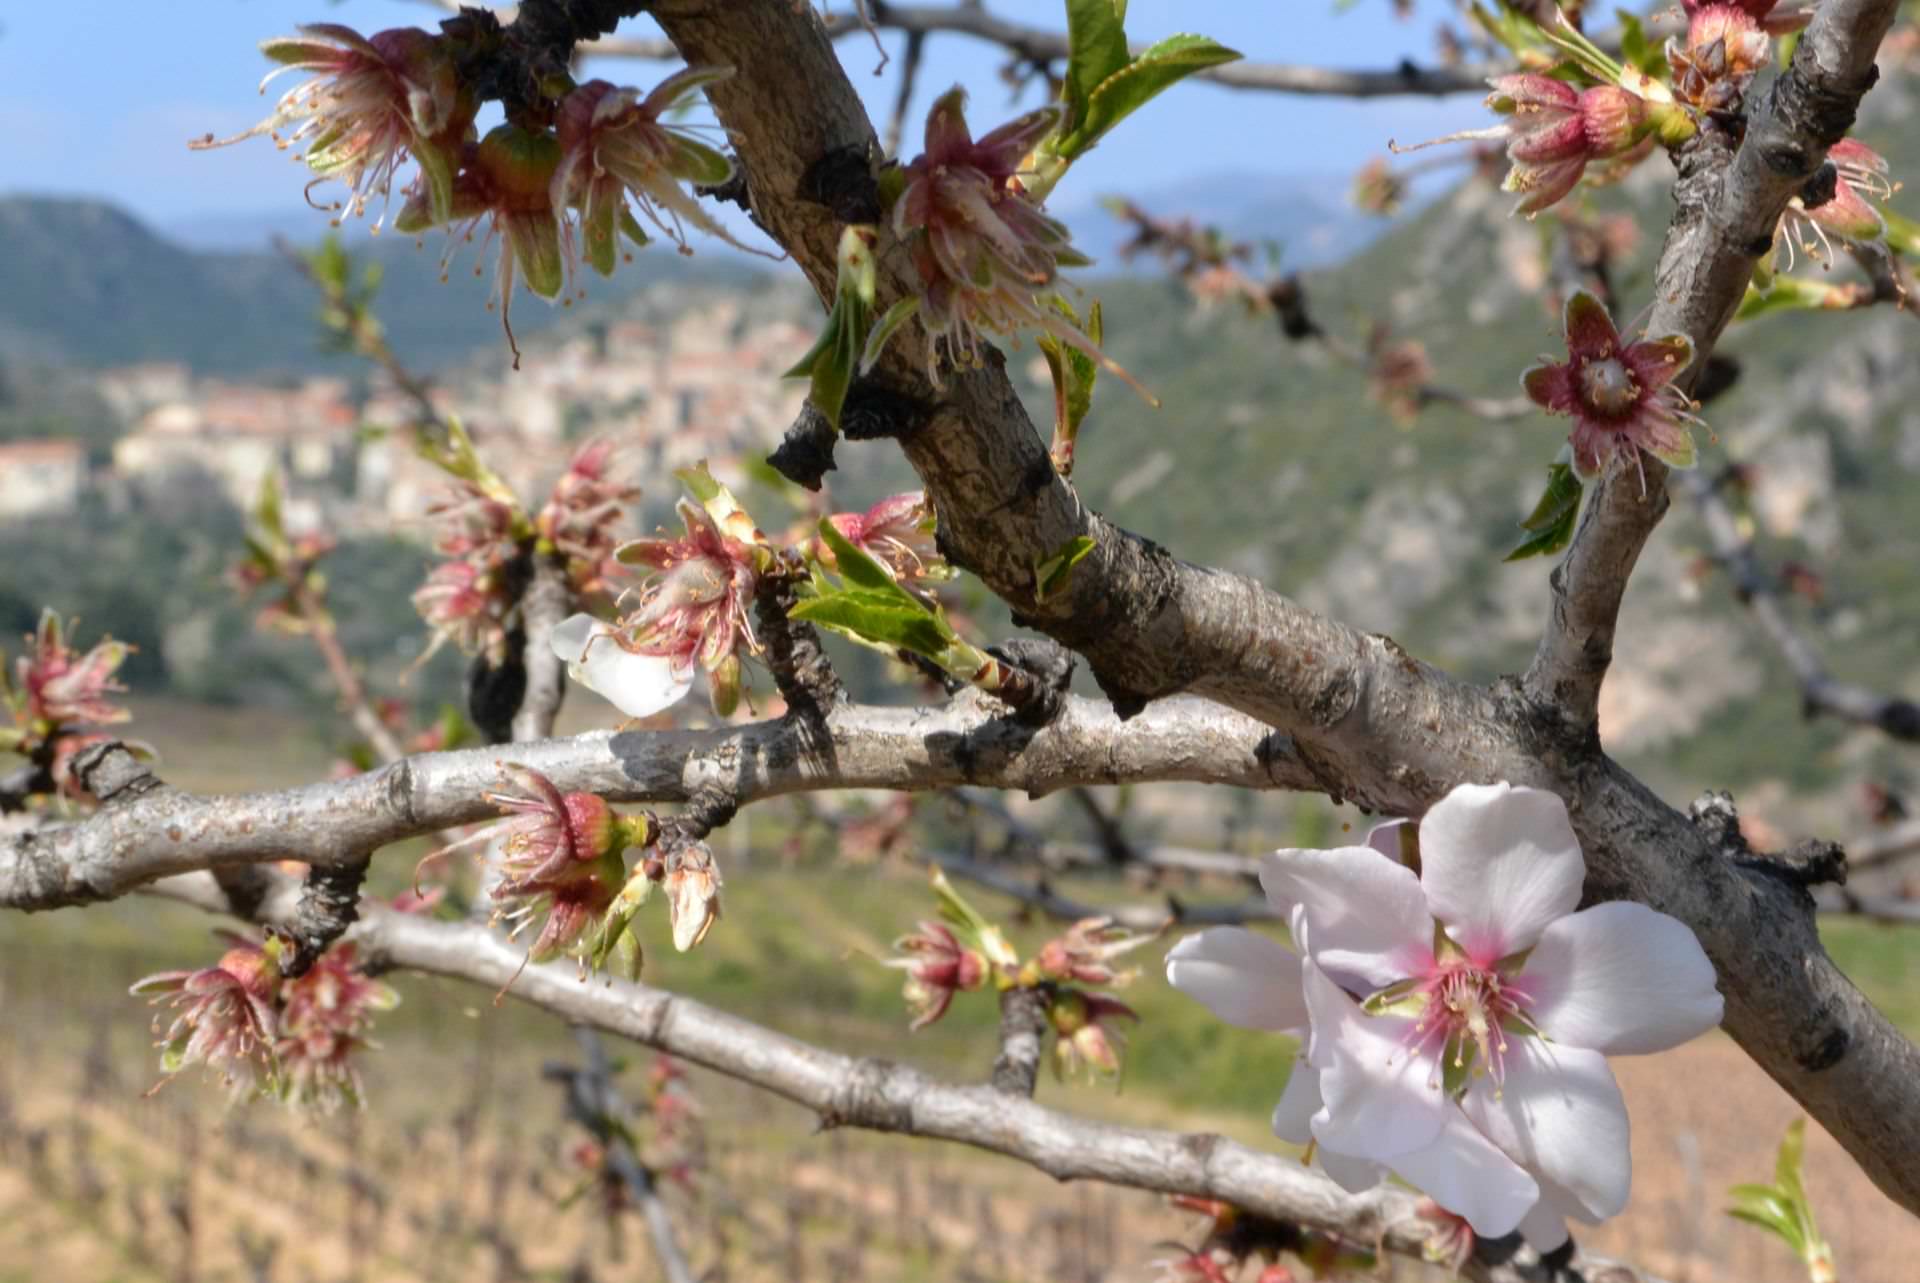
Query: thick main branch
point(969, 740)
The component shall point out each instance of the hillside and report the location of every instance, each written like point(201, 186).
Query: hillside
point(84, 283)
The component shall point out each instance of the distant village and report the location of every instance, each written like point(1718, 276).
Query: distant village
point(704, 384)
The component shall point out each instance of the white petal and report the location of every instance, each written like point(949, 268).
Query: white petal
point(1467, 1174)
point(1367, 913)
point(1354, 1175)
point(1560, 1115)
point(1544, 1228)
point(1381, 1099)
point(1293, 1116)
point(637, 685)
point(1243, 978)
point(1621, 979)
point(1385, 838)
point(570, 637)
point(1498, 864)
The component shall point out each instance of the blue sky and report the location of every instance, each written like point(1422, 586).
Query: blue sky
point(93, 103)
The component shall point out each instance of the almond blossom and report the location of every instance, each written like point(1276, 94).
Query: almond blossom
point(897, 532)
point(227, 1018)
point(937, 966)
point(1621, 396)
point(694, 611)
point(325, 1018)
point(1552, 131)
point(372, 102)
point(1857, 169)
point(617, 146)
point(1457, 1019)
point(987, 255)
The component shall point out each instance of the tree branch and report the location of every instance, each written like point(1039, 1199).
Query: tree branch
point(543, 606)
point(1756, 590)
point(1729, 206)
point(146, 830)
point(1040, 46)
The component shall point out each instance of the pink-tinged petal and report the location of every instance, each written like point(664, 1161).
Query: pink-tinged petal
point(1550, 387)
point(1002, 150)
point(1593, 445)
point(1560, 1115)
point(1545, 138)
point(1368, 916)
point(1467, 1174)
point(339, 34)
point(1848, 214)
point(1621, 979)
point(1590, 331)
point(1380, 1099)
point(1293, 1116)
point(1657, 362)
point(668, 93)
point(1540, 187)
point(1656, 431)
point(947, 137)
point(1354, 1175)
point(1499, 863)
point(1385, 838)
point(1242, 977)
point(1530, 91)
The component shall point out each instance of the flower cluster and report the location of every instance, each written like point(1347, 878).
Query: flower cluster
point(580, 517)
point(963, 952)
point(1456, 1020)
point(548, 194)
point(559, 861)
point(482, 533)
point(987, 255)
point(1622, 396)
point(261, 1034)
point(693, 612)
point(54, 694)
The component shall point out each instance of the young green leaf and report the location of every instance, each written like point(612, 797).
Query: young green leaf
point(1552, 519)
point(1131, 87)
point(1053, 574)
point(1096, 48)
point(831, 361)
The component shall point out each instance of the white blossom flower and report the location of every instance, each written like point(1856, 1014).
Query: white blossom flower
point(1464, 1009)
point(639, 685)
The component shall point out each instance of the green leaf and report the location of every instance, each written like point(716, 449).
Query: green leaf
point(857, 567)
point(1552, 520)
point(890, 322)
point(830, 362)
point(1133, 86)
point(875, 619)
point(1096, 48)
point(1635, 49)
point(1052, 575)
